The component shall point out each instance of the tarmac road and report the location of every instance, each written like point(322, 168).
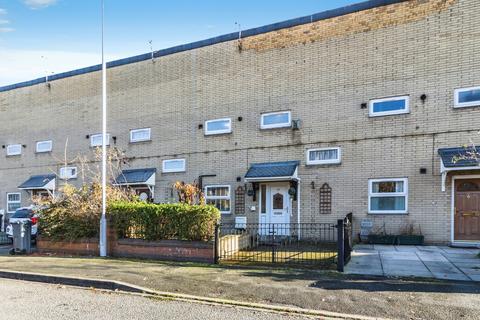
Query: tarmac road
point(26, 300)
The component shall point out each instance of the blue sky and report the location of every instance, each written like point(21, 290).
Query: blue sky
point(51, 36)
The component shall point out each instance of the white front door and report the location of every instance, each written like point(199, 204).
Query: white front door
point(275, 208)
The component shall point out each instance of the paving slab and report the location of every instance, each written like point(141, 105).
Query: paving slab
point(438, 262)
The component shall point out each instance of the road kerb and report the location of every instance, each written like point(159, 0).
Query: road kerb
point(122, 287)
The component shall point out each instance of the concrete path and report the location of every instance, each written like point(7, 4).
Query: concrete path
point(437, 262)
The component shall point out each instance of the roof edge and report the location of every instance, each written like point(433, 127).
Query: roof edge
point(356, 7)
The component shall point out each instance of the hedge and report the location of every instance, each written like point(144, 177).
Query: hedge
point(153, 222)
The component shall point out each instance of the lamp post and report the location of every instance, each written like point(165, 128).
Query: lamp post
point(103, 219)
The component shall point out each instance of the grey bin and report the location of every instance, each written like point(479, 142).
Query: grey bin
point(22, 235)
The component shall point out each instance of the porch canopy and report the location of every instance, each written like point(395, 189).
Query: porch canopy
point(39, 182)
point(134, 177)
point(273, 171)
point(457, 159)
point(137, 178)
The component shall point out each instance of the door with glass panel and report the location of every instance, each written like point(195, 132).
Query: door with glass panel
point(274, 209)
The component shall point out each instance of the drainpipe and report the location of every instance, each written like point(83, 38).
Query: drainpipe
point(298, 208)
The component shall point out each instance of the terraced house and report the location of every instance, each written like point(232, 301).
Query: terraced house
point(362, 109)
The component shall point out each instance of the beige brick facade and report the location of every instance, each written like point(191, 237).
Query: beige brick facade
point(416, 47)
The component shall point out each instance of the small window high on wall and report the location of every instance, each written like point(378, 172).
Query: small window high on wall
point(389, 106)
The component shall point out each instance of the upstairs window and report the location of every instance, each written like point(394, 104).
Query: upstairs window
point(14, 149)
point(389, 106)
point(173, 165)
point(139, 135)
point(467, 97)
point(324, 156)
point(388, 196)
point(68, 173)
point(44, 146)
point(96, 140)
point(13, 201)
point(218, 196)
point(274, 120)
point(218, 126)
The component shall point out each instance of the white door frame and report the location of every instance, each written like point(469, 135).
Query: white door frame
point(452, 213)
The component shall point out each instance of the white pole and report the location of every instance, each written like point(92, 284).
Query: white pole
point(103, 220)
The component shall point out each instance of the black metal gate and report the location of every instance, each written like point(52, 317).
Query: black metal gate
point(311, 244)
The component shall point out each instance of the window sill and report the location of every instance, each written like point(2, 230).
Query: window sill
point(388, 213)
point(139, 142)
point(379, 115)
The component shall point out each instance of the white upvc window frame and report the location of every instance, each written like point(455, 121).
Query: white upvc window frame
point(19, 202)
point(96, 136)
point(320, 162)
point(214, 132)
point(39, 143)
point(229, 197)
point(388, 194)
point(458, 104)
point(63, 170)
point(10, 153)
point(166, 170)
point(276, 125)
point(133, 131)
point(371, 103)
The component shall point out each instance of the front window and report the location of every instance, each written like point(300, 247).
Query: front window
point(13, 202)
point(323, 156)
point(218, 126)
point(218, 196)
point(68, 173)
point(388, 196)
point(467, 97)
point(276, 120)
point(44, 146)
point(96, 140)
point(174, 165)
point(389, 106)
point(14, 149)
point(139, 135)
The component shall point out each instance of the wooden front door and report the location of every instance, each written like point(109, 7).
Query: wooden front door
point(467, 210)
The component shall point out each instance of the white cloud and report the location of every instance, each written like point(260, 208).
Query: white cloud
point(3, 11)
point(36, 4)
point(23, 65)
point(5, 29)
point(4, 21)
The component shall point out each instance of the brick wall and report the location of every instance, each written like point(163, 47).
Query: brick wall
point(416, 47)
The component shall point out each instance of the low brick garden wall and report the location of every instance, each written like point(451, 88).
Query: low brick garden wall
point(193, 251)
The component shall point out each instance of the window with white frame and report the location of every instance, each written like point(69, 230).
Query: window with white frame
point(96, 140)
point(388, 196)
point(14, 149)
point(44, 146)
point(324, 156)
point(139, 135)
point(467, 97)
point(218, 196)
point(218, 126)
point(389, 106)
point(13, 201)
point(68, 173)
point(274, 120)
point(173, 165)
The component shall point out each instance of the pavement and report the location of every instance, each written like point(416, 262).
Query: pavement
point(330, 291)
point(25, 300)
point(437, 262)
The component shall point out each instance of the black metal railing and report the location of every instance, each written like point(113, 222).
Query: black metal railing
point(345, 241)
point(4, 239)
point(311, 244)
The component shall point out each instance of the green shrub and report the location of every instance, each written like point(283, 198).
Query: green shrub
point(164, 221)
